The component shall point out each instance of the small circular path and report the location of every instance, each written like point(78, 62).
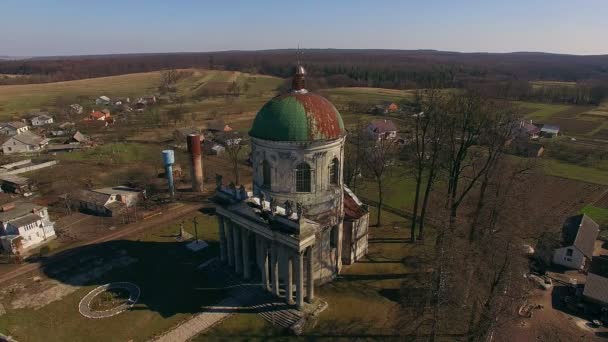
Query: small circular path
point(85, 303)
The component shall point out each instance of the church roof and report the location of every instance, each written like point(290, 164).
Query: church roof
point(298, 116)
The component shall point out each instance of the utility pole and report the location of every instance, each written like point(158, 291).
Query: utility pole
point(195, 222)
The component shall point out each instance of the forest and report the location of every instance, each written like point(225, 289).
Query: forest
point(505, 75)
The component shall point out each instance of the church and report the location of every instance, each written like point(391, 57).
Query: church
point(300, 223)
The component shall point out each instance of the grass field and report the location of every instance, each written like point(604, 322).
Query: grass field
point(539, 111)
point(584, 174)
point(17, 99)
point(599, 215)
point(340, 96)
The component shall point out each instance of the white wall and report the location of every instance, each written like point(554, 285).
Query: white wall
point(576, 261)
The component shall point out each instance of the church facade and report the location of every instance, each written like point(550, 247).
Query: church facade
point(300, 223)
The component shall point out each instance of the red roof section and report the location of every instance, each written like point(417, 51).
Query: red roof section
point(322, 115)
point(352, 210)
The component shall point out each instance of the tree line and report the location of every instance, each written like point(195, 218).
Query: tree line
point(506, 74)
point(455, 148)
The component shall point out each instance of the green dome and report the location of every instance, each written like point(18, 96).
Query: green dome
point(297, 117)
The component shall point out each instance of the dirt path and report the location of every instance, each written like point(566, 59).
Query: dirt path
point(168, 215)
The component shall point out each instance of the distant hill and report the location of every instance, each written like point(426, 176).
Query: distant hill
point(400, 69)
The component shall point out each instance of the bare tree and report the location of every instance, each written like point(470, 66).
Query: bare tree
point(378, 156)
point(477, 131)
point(425, 149)
point(234, 150)
point(353, 156)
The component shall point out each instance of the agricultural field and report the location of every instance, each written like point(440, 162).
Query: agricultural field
point(17, 99)
point(574, 120)
point(343, 96)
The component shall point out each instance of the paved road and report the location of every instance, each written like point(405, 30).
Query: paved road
point(169, 215)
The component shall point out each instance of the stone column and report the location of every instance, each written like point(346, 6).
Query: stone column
point(238, 259)
point(220, 222)
point(299, 270)
point(229, 242)
point(246, 263)
point(265, 275)
point(288, 276)
point(310, 281)
point(274, 266)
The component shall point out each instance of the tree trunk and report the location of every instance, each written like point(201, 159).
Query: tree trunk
point(416, 200)
point(425, 203)
point(478, 207)
point(379, 202)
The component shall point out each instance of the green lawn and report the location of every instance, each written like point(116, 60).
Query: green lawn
point(540, 111)
point(172, 290)
point(599, 215)
point(585, 174)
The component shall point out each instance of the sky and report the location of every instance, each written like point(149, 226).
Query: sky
point(80, 27)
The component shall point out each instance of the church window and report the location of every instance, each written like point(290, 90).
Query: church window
point(334, 172)
point(303, 178)
point(266, 177)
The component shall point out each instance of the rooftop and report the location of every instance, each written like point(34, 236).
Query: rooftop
point(581, 232)
point(20, 209)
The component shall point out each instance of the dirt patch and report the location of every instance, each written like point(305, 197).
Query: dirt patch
point(572, 112)
point(40, 294)
point(601, 134)
point(574, 126)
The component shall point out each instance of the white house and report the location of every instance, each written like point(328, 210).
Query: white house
point(578, 241)
point(28, 221)
point(27, 142)
point(42, 120)
point(382, 129)
point(596, 285)
point(106, 201)
point(103, 100)
point(14, 128)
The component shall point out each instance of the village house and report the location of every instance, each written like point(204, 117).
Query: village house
point(16, 184)
point(14, 128)
point(24, 225)
point(527, 130)
point(78, 138)
point(211, 148)
point(382, 129)
point(139, 106)
point(41, 120)
point(75, 108)
point(99, 115)
point(27, 142)
point(596, 285)
point(578, 241)
point(549, 131)
point(103, 100)
point(147, 100)
point(122, 101)
point(216, 126)
point(384, 109)
point(111, 201)
point(180, 134)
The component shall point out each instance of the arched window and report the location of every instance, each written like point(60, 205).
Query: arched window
point(334, 172)
point(303, 178)
point(266, 181)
